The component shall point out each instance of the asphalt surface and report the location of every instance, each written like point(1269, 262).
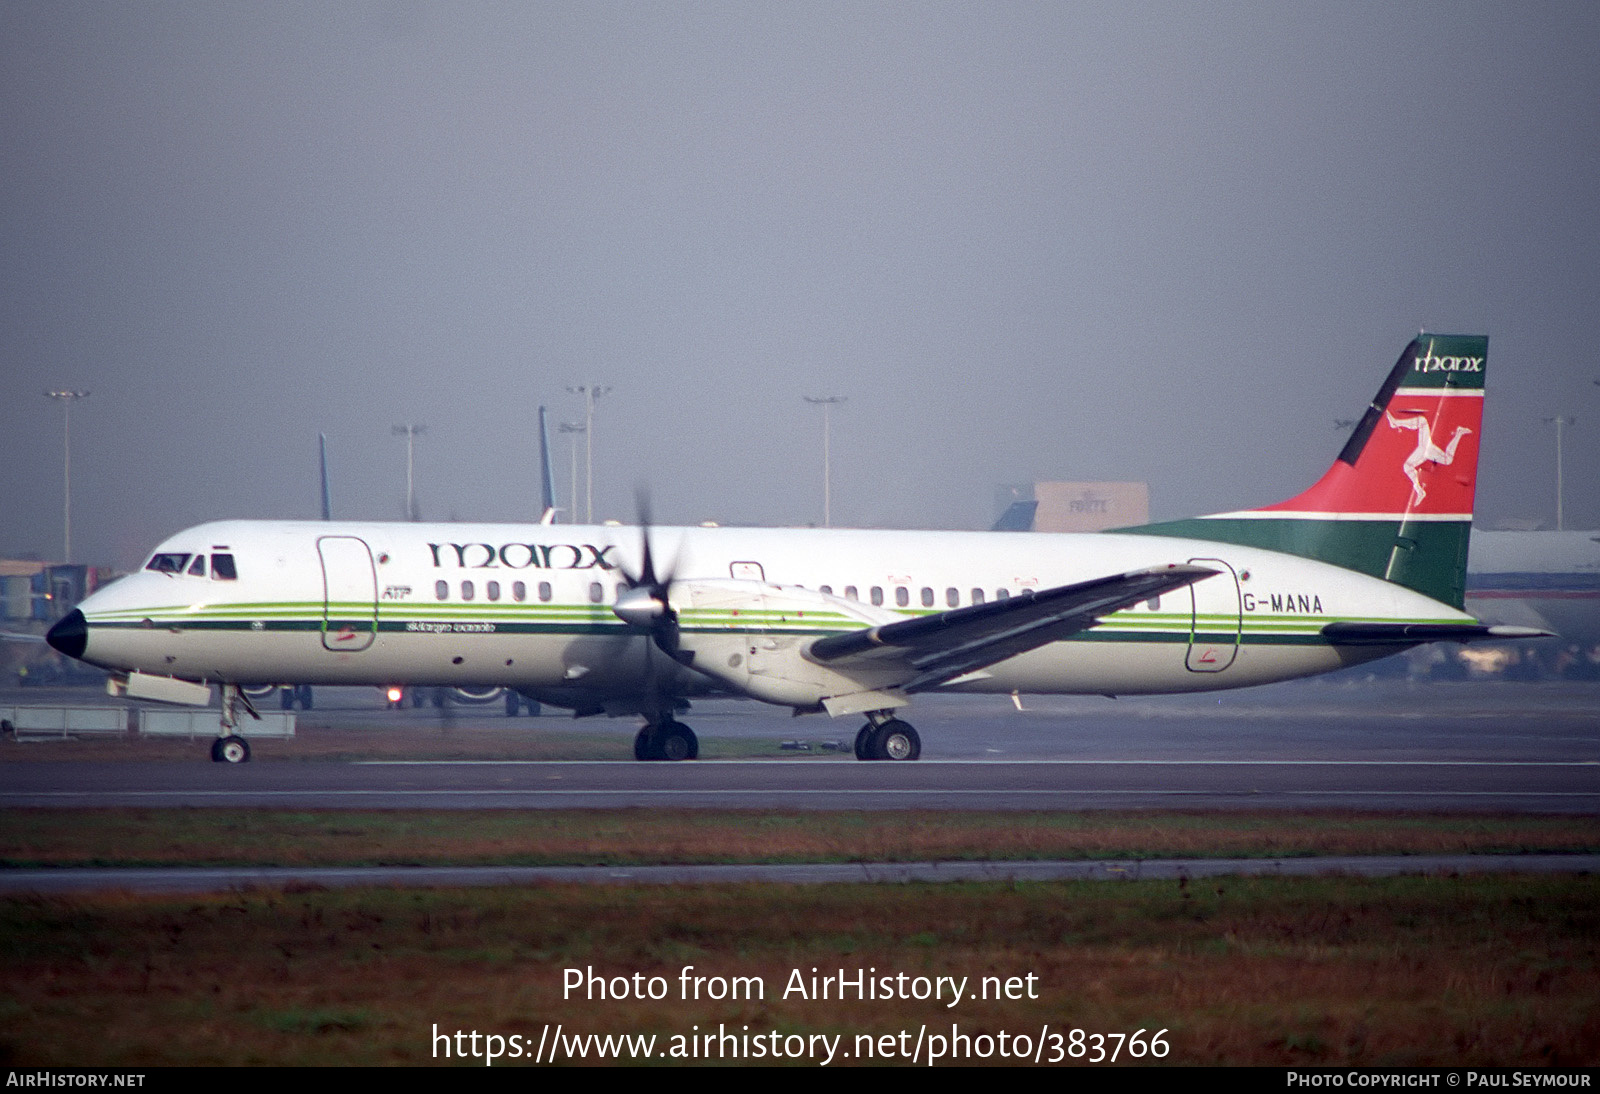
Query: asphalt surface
point(225, 879)
point(1352, 744)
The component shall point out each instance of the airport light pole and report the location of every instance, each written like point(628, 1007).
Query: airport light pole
point(827, 403)
point(574, 428)
point(1560, 422)
point(410, 431)
point(66, 399)
point(590, 393)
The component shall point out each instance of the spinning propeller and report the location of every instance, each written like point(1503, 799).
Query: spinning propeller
point(645, 604)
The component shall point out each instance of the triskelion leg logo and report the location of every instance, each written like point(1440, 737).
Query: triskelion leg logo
point(1426, 451)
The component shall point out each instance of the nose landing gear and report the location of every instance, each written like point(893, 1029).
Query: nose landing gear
point(229, 747)
point(230, 750)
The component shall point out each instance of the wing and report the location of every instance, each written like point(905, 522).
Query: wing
point(951, 644)
point(14, 636)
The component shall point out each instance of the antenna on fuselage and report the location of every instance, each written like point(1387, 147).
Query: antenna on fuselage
point(547, 482)
point(327, 492)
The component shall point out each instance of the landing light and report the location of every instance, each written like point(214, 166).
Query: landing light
point(395, 694)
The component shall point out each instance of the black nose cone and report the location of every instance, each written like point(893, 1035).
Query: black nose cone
point(70, 635)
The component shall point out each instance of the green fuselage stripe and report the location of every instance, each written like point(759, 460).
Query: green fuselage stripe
point(1431, 557)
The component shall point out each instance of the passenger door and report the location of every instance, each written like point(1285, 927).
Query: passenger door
point(1215, 619)
point(349, 593)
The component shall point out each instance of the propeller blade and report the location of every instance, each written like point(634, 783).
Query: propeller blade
point(647, 604)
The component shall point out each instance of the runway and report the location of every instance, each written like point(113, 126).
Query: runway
point(1076, 785)
point(226, 879)
point(1368, 745)
point(1375, 744)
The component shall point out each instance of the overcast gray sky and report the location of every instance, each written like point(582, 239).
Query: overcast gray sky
point(1169, 242)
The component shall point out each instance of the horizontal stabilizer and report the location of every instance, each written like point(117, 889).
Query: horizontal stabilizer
point(950, 644)
point(1396, 634)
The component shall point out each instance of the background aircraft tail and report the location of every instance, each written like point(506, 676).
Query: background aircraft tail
point(1397, 503)
point(327, 491)
point(547, 482)
point(1018, 517)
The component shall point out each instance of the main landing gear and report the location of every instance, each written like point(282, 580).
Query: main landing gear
point(666, 740)
point(887, 738)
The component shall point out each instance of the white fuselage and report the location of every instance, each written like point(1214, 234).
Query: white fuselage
point(529, 606)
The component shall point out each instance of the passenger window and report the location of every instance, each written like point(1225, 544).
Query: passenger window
point(877, 594)
point(927, 597)
point(441, 590)
point(492, 590)
point(596, 593)
point(825, 589)
point(902, 596)
point(170, 563)
point(519, 591)
point(977, 596)
point(467, 591)
point(1002, 594)
point(850, 593)
point(222, 568)
point(197, 568)
point(1154, 603)
point(952, 597)
point(544, 591)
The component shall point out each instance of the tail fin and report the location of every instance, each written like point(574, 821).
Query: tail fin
point(1397, 503)
point(327, 491)
point(547, 484)
point(1018, 517)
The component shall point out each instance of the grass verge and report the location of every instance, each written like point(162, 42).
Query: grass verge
point(1334, 971)
point(254, 837)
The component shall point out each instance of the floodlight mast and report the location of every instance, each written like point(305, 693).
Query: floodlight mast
point(66, 399)
point(576, 429)
point(1560, 422)
point(590, 393)
point(827, 403)
point(410, 431)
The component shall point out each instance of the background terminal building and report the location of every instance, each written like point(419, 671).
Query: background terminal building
point(1073, 506)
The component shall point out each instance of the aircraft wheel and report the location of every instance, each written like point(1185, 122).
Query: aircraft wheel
point(896, 740)
point(286, 697)
point(864, 743)
point(304, 694)
point(641, 744)
point(230, 750)
point(676, 741)
point(513, 703)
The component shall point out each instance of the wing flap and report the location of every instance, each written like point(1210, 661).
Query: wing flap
point(950, 644)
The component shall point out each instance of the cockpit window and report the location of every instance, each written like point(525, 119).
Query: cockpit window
point(222, 568)
point(170, 562)
point(197, 568)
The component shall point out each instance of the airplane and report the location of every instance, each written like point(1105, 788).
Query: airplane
point(1370, 560)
